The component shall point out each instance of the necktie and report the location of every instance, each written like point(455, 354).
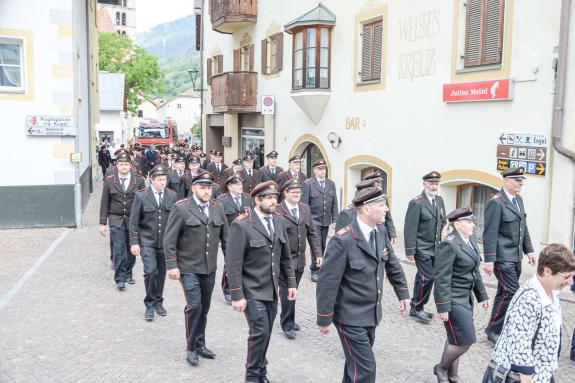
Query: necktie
point(294, 213)
point(470, 245)
point(123, 180)
point(270, 229)
point(180, 173)
point(516, 204)
point(273, 171)
point(218, 166)
point(238, 202)
point(249, 173)
point(433, 202)
point(372, 239)
point(159, 199)
point(203, 210)
point(322, 184)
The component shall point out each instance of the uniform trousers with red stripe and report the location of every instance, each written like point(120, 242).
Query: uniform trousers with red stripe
point(423, 281)
point(287, 316)
point(225, 284)
point(507, 274)
point(260, 316)
point(357, 343)
point(198, 290)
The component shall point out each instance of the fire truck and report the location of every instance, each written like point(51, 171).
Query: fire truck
point(161, 134)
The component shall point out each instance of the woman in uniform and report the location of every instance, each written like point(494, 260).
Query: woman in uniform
point(457, 274)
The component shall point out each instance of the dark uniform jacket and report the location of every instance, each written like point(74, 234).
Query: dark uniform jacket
point(191, 242)
point(231, 209)
point(456, 273)
point(148, 220)
point(219, 177)
point(205, 163)
point(178, 184)
point(254, 261)
point(250, 182)
point(423, 225)
point(287, 175)
point(350, 283)
point(266, 173)
point(323, 203)
point(347, 215)
point(505, 234)
point(142, 165)
point(297, 232)
point(116, 204)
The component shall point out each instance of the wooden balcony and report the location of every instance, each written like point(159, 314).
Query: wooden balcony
point(230, 15)
point(235, 92)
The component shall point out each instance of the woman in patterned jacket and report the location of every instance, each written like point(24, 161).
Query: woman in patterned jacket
point(529, 343)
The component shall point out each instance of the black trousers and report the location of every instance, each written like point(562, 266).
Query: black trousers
point(225, 284)
point(198, 290)
point(507, 274)
point(260, 316)
point(154, 275)
point(357, 343)
point(124, 261)
point(423, 282)
point(322, 230)
point(287, 316)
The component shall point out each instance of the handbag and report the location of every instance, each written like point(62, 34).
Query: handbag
point(499, 374)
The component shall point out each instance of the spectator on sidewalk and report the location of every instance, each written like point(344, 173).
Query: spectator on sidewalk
point(104, 159)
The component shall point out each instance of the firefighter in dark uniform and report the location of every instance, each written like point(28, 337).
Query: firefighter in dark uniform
point(259, 256)
point(177, 177)
point(208, 159)
point(505, 240)
point(271, 171)
point(299, 226)
point(350, 285)
point(234, 202)
point(457, 276)
point(194, 169)
point(249, 175)
point(320, 194)
point(195, 227)
point(237, 166)
point(115, 207)
point(292, 172)
point(424, 221)
point(148, 220)
point(217, 168)
point(346, 216)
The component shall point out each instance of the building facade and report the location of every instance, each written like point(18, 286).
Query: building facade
point(114, 124)
point(184, 109)
point(464, 87)
point(48, 103)
point(117, 16)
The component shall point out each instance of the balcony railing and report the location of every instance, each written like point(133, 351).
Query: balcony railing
point(227, 16)
point(234, 92)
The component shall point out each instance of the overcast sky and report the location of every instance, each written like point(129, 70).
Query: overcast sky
point(150, 13)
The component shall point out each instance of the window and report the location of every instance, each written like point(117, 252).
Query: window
point(123, 33)
point(214, 66)
point(272, 54)
point(117, 18)
point(484, 32)
point(311, 58)
point(140, 113)
point(179, 106)
point(475, 196)
point(123, 19)
point(11, 65)
point(371, 48)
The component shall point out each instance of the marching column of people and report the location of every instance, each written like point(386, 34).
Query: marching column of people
point(269, 214)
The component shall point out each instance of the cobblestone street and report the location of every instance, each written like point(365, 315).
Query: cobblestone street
point(68, 323)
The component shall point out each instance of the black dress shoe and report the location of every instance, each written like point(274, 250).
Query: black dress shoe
point(228, 298)
point(429, 315)
point(149, 313)
point(439, 380)
point(121, 285)
point(314, 275)
point(491, 336)
point(455, 379)
point(264, 379)
point(296, 327)
point(205, 353)
point(572, 357)
point(420, 316)
point(192, 358)
point(130, 281)
point(290, 334)
point(160, 310)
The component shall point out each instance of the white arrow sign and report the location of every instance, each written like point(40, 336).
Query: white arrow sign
point(540, 154)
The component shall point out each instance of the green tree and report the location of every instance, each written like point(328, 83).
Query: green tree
point(119, 54)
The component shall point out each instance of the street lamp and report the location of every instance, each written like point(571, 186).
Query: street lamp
point(194, 74)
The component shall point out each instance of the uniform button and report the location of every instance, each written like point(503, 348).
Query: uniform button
point(159, 224)
point(379, 291)
point(272, 256)
point(207, 245)
point(272, 263)
point(208, 234)
point(159, 231)
point(207, 253)
point(378, 278)
point(124, 202)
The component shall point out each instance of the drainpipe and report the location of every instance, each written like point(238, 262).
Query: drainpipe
point(559, 101)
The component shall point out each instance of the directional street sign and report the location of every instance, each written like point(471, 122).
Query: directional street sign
point(538, 140)
point(50, 126)
point(527, 150)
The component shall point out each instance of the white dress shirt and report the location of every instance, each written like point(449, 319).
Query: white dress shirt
point(262, 216)
point(207, 208)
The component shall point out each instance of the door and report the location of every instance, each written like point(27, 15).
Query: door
point(253, 143)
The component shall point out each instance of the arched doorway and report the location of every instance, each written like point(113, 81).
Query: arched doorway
point(310, 149)
point(358, 167)
point(311, 154)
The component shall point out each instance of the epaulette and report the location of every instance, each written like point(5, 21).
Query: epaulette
point(241, 217)
point(181, 201)
point(112, 176)
point(138, 175)
point(171, 189)
point(495, 196)
point(216, 201)
point(276, 213)
point(144, 189)
point(344, 230)
point(450, 237)
point(417, 197)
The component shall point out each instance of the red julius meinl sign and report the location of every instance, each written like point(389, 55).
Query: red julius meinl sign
point(478, 91)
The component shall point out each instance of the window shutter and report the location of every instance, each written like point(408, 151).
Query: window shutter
point(251, 53)
point(473, 33)
point(493, 32)
point(237, 62)
point(220, 59)
point(264, 56)
point(366, 48)
point(209, 71)
point(280, 51)
point(377, 50)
